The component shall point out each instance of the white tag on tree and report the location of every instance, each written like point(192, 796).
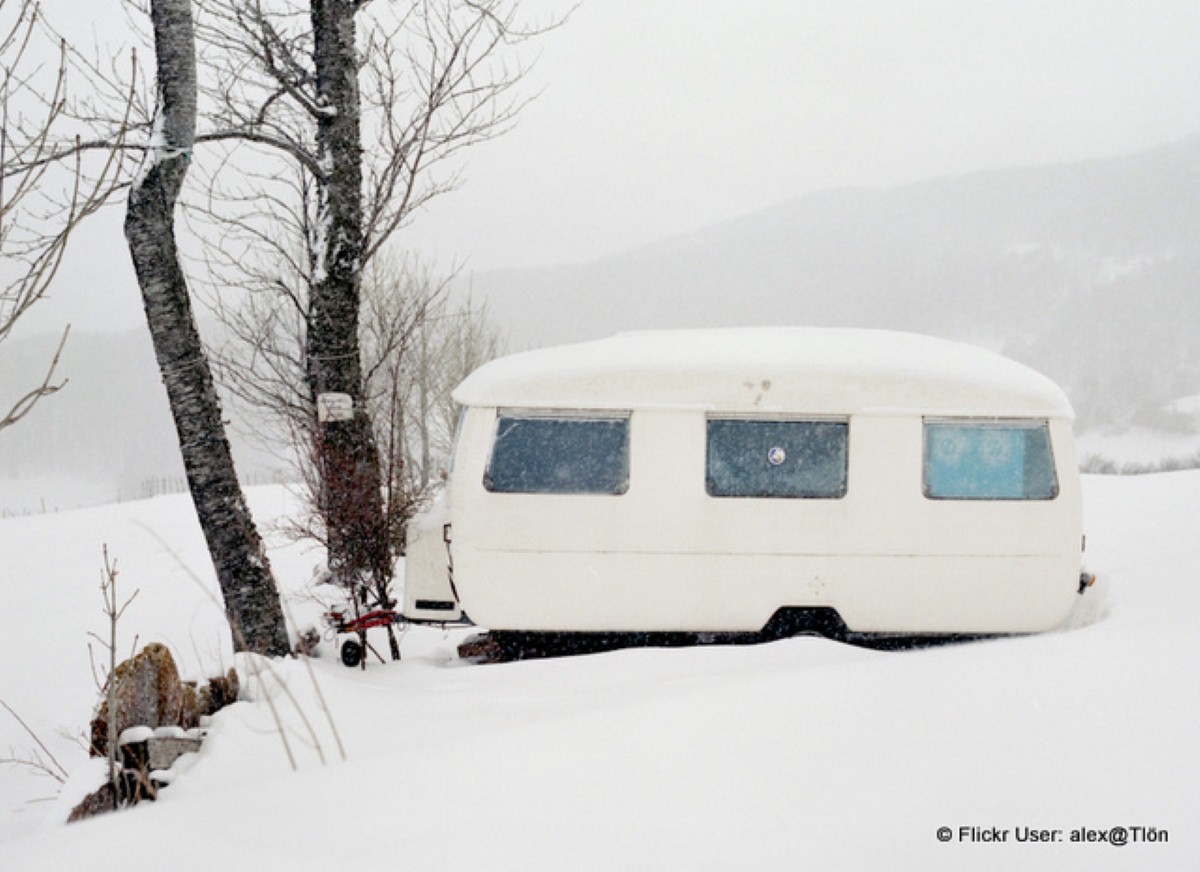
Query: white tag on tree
point(334, 407)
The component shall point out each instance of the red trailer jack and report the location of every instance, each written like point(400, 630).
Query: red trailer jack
point(352, 650)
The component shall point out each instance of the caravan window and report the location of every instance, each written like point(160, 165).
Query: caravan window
point(559, 454)
point(1002, 460)
point(776, 458)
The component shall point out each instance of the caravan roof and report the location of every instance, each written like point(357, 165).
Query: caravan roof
point(772, 369)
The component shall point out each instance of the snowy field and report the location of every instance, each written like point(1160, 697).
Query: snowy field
point(798, 754)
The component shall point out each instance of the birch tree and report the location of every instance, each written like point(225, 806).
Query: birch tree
point(350, 495)
point(417, 344)
point(421, 81)
point(247, 585)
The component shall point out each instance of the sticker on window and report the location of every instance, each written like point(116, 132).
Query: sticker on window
point(776, 458)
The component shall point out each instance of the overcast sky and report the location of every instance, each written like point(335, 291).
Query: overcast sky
point(660, 117)
point(656, 118)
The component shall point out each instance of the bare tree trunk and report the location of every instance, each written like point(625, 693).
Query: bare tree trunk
point(251, 599)
point(350, 500)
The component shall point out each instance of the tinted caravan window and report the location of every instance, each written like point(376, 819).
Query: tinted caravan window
point(989, 461)
point(559, 454)
point(759, 458)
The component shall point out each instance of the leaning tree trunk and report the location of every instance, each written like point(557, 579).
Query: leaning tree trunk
point(251, 599)
point(350, 493)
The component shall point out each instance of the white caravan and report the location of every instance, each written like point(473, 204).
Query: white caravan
point(727, 481)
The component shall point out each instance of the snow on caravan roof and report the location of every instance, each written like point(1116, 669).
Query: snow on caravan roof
point(771, 369)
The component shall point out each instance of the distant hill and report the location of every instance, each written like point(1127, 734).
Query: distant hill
point(1089, 272)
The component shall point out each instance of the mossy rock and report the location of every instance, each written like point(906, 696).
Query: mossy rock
point(148, 693)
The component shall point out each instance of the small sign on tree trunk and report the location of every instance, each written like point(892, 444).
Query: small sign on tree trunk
point(335, 407)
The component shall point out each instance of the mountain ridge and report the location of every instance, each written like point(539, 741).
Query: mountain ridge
point(1023, 260)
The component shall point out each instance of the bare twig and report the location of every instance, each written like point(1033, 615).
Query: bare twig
point(45, 188)
point(48, 766)
point(114, 610)
point(25, 404)
point(337, 736)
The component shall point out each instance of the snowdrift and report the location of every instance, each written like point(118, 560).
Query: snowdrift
point(800, 753)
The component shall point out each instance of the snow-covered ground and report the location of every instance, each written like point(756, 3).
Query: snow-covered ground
point(797, 754)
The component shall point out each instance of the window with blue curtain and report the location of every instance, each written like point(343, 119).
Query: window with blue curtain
point(1009, 460)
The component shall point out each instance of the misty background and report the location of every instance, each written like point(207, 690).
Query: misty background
point(1022, 175)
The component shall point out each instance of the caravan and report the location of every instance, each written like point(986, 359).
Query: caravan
point(731, 481)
